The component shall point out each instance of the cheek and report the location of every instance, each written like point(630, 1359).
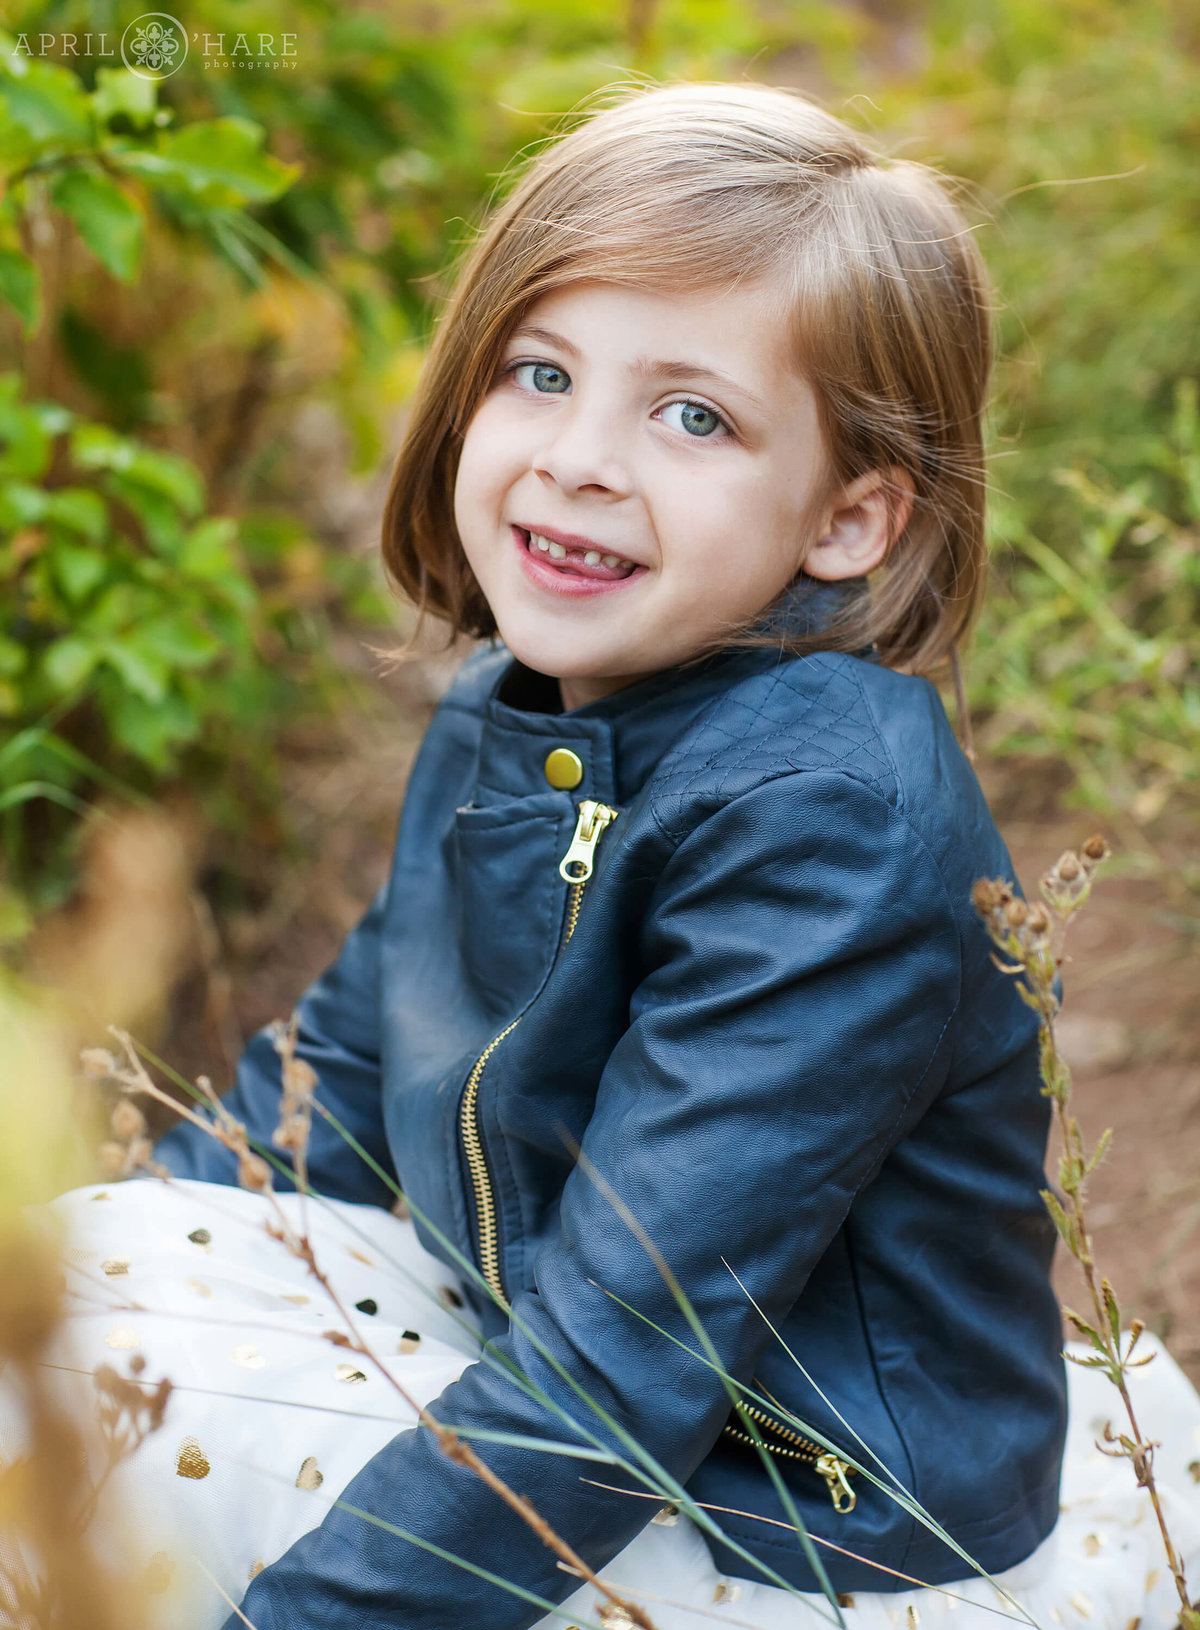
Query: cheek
point(744, 537)
point(487, 464)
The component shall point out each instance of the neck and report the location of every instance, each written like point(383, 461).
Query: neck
point(579, 692)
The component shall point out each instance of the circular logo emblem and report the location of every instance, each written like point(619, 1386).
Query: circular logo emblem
point(154, 45)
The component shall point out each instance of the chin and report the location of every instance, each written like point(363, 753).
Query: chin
point(559, 657)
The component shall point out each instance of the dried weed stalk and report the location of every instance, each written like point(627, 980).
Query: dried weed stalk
point(1030, 939)
point(51, 1576)
point(131, 1151)
point(56, 1571)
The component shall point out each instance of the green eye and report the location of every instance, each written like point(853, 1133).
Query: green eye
point(693, 418)
point(545, 377)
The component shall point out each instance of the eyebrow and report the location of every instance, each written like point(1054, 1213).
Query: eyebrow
point(658, 368)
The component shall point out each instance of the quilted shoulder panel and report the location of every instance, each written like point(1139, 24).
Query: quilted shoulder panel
point(808, 714)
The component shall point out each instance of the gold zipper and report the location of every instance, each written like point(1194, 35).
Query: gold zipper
point(576, 868)
point(835, 1472)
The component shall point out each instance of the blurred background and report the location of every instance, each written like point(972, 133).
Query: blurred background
point(219, 268)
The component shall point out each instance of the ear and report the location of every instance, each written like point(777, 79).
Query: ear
point(860, 524)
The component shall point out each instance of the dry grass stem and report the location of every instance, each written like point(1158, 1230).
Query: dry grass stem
point(828, 1544)
point(1030, 939)
point(292, 1134)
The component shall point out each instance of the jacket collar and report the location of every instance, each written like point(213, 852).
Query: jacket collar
point(620, 738)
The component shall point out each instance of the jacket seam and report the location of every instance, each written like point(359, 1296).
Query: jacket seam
point(880, 737)
point(713, 762)
point(766, 779)
point(881, 1389)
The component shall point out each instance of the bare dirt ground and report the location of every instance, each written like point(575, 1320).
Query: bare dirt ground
point(1129, 1026)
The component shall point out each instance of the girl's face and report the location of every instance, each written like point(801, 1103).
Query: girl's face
point(645, 470)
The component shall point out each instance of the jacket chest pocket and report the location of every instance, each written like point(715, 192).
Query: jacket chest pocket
point(509, 896)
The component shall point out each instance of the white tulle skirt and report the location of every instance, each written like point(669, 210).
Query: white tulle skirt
point(269, 1420)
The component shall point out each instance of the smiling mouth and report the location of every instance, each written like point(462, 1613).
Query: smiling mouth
point(577, 560)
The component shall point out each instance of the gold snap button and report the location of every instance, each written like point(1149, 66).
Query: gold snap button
point(564, 768)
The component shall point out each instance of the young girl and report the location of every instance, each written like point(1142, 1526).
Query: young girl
point(675, 981)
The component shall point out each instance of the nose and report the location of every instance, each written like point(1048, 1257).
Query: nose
point(583, 452)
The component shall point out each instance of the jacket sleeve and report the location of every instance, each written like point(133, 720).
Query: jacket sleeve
point(339, 1037)
point(801, 969)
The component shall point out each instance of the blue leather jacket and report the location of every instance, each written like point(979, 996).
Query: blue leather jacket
point(770, 1020)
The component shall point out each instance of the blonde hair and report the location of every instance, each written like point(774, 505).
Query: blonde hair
point(887, 315)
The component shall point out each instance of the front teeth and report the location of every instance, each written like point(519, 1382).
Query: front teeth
point(557, 551)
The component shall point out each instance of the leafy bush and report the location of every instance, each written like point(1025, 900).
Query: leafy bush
point(136, 647)
point(119, 594)
point(1096, 660)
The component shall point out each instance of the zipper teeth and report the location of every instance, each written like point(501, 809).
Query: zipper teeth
point(485, 1205)
point(806, 1455)
point(574, 901)
point(489, 1240)
point(807, 1450)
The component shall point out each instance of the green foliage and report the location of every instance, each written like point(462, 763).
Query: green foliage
point(136, 646)
point(81, 151)
point(1075, 127)
point(1095, 654)
point(125, 611)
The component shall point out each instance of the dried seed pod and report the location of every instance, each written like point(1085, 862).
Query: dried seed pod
point(128, 1122)
point(112, 1159)
point(98, 1063)
point(299, 1078)
point(983, 896)
point(1094, 850)
point(1038, 920)
point(253, 1173)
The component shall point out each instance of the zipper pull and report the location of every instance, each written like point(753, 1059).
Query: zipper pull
point(576, 865)
point(834, 1472)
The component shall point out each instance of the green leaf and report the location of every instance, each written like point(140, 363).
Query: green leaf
point(19, 287)
point(1113, 1309)
point(13, 657)
point(109, 221)
point(48, 104)
point(151, 731)
point(218, 161)
point(139, 667)
point(96, 447)
point(181, 641)
point(120, 92)
point(1064, 1224)
point(175, 478)
point(208, 549)
point(27, 791)
point(158, 515)
point(1083, 1327)
point(69, 661)
point(117, 607)
point(77, 569)
point(1101, 1149)
point(20, 503)
point(81, 509)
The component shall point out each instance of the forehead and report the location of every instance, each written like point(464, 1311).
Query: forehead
point(735, 329)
